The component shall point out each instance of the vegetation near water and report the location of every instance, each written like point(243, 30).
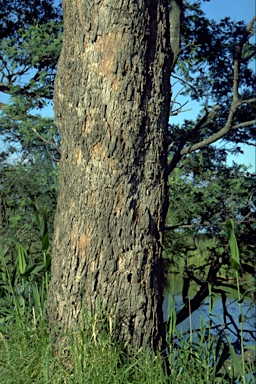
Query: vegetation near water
point(93, 356)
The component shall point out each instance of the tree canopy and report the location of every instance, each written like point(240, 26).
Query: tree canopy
point(29, 48)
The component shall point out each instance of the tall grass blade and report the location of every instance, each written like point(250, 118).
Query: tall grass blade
point(230, 231)
point(236, 363)
point(22, 255)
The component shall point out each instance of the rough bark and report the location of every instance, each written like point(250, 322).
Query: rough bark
point(112, 107)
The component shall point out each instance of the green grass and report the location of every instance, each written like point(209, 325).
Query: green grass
point(26, 357)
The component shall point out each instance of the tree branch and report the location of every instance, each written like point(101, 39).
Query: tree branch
point(181, 151)
point(4, 88)
point(180, 226)
point(201, 295)
point(2, 105)
point(248, 101)
point(47, 141)
point(249, 27)
point(215, 137)
point(186, 83)
point(178, 155)
point(245, 124)
point(175, 14)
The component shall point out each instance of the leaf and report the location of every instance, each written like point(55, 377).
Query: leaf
point(242, 318)
point(45, 242)
point(22, 255)
point(36, 297)
point(251, 347)
point(35, 269)
point(235, 259)
point(234, 357)
point(47, 261)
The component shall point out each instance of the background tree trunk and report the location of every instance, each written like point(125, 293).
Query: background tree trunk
point(112, 108)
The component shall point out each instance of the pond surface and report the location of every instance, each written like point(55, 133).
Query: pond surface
point(173, 288)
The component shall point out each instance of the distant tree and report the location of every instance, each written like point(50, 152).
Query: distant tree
point(29, 48)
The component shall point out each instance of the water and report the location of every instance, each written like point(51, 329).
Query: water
point(174, 287)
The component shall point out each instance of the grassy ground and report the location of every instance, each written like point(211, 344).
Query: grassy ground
point(94, 358)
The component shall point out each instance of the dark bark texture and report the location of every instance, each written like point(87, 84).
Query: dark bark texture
point(112, 107)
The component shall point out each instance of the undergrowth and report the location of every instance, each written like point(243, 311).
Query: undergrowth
point(93, 355)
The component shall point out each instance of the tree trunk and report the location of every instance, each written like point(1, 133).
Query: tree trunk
point(112, 108)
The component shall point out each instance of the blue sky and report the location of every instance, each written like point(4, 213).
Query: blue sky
point(237, 10)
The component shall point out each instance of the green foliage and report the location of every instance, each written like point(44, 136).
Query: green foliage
point(210, 190)
point(23, 184)
point(210, 193)
point(203, 354)
point(202, 195)
point(230, 230)
point(16, 14)
point(24, 280)
point(31, 35)
point(205, 74)
point(29, 49)
point(235, 263)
